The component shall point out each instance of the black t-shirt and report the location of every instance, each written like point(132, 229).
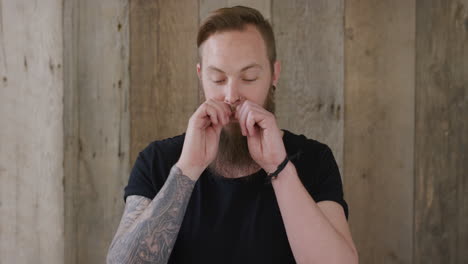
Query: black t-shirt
point(236, 220)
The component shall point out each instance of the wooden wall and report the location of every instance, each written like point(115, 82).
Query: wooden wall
point(160, 75)
point(85, 85)
point(379, 127)
point(162, 67)
point(31, 134)
point(441, 132)
point(96, 124)
point(353, 71)
point(310, 41)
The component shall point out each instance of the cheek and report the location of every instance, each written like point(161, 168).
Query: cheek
point(212, 92)
point(259, 93)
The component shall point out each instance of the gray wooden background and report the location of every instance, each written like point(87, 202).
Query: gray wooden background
point(85, 85)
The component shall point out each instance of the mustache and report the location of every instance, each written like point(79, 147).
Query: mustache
point(233, 108)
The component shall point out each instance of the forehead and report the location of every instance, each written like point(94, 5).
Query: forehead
point(234, 49)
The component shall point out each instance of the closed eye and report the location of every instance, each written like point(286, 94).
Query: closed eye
point(250, 80)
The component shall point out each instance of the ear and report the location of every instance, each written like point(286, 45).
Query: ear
point(276, 73)
point(199, 71)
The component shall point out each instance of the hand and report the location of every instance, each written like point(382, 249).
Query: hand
point(264, 138)
point(202, 137)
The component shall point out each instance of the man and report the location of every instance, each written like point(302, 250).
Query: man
point(235, 188)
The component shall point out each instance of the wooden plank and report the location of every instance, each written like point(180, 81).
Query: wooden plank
point(102, 80)
point(164, 89)
point(31, 134)
point(309, 98)
point(264, 6)
point(379, 127)
point(206, 6)
point(441, 157)
point(70, 128)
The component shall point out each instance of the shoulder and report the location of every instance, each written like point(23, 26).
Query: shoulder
point(313, 159)
point(157, 158)
point(152, 166)
point(167, 149)
point(307, 147)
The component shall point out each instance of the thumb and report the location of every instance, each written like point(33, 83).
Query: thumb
point(254, 145)
point(218, 129)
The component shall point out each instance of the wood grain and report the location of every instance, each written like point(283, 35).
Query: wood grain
point(164, 83)
point(264, 6)
point(31, 133)
point(379, 127)
point(309, 98)
point(102, 83)
point(71, 127)
point(441, 147)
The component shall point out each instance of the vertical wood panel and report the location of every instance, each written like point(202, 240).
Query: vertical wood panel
point(441, 149)
point(103, 145)
point(379, 127)
point(206, 6)
point(309, 97)
point(70, 127)
point(31, 134)
point(164, 87)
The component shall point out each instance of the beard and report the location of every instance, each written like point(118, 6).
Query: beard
point(233, 157)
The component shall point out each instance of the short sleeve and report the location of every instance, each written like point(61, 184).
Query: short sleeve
point(329, 186)
point(140, 181)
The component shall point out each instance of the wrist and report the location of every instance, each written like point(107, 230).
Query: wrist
point(279, 168)
point(272, 167)
point(193, 172)
point(285, 175)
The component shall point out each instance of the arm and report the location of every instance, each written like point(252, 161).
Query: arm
point(317, 232)
point(148, 229)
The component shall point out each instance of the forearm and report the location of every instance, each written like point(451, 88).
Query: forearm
point(312, 237)
point(151, 235)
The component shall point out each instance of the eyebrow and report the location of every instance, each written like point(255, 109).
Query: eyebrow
point(243, 69)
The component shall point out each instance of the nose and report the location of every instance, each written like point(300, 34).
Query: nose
point(232, 96)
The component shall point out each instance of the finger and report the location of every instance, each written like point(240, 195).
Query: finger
point(250, 123)
point(244, 110)
point(220, 110)
point(211, 113)
point(239, 110)
point(259, 108)
point(226, 108)
point(218, 130)
point(262, 116)
point(214, 108)
point(205, 123)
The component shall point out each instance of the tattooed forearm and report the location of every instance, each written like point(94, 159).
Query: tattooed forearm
point(134, 207)
point(148, 230)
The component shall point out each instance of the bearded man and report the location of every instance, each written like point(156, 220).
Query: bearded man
point(234, 188)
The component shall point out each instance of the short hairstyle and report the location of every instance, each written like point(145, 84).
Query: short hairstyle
point(236, 18)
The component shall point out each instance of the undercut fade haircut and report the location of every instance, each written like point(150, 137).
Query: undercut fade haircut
point(237, 18)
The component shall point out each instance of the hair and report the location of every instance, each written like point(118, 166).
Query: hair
point(237, 18)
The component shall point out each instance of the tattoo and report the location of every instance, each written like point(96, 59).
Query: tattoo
point(134, 207)
point(148, 230)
